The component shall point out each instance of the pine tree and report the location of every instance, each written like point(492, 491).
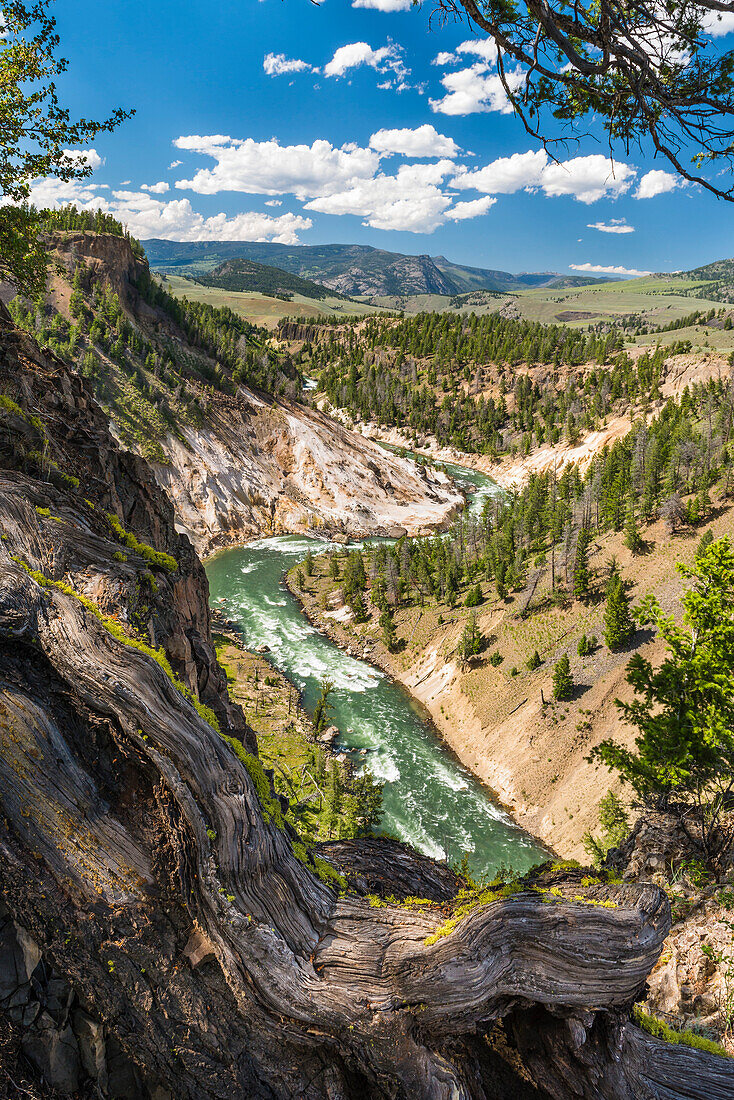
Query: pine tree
point(471, 641)
point(358, 608)
point(322, 709)
point(581, 575)
point(703, 544)
point(534, 661)
point(618, 625)
point(683, 757)
point(562, 679)
point(474, 596)
point(334, 802)
point(389, 636)
point(363, 805)
point(632, 539)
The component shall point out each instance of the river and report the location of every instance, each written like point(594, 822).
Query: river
point(430, 799)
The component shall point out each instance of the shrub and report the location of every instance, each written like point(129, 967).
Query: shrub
point(614, 822)
point(663, 1031)
point(156, 557)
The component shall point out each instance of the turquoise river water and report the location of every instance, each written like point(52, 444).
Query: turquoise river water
point(430, 799)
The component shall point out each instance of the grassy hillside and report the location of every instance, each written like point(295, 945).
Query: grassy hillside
point(262, 309)
point(652, 303)
point(718, 280)
point(247, 276)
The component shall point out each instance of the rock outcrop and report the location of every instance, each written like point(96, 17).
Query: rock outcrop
point(274, 466)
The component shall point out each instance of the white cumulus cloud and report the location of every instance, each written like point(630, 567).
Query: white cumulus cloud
point(718, 23)
point(616, 225)
point(588, 179)
point(89, 157)
point(475, 90)
point(268, 168)
point(174, 219)
point(486, 48)
point(354, 54)
point(174, 164)
point(424, 141)
point(472, 209)
point(602, 269)
point(384, 5)
point(655, 183)
point(506, 175)
point(155, 188)
point(276, 64)
point(410, 200)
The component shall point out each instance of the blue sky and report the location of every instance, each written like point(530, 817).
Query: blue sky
point(336, 123)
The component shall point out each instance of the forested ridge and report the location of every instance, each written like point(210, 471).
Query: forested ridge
point(456, 378)
point(246, 275)
point(665, 467)
point(155, 371)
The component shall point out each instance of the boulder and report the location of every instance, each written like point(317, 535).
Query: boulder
point(55, 1054)
point(198, 948)
point(90, 1037)
point(19, 956)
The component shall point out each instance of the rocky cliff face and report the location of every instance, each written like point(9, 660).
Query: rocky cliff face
point(254, 463)
point(259, 466)
point(51, 429)
point(403, 275)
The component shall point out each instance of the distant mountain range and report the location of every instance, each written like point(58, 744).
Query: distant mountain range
point(350, 269)
point(246, 275)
